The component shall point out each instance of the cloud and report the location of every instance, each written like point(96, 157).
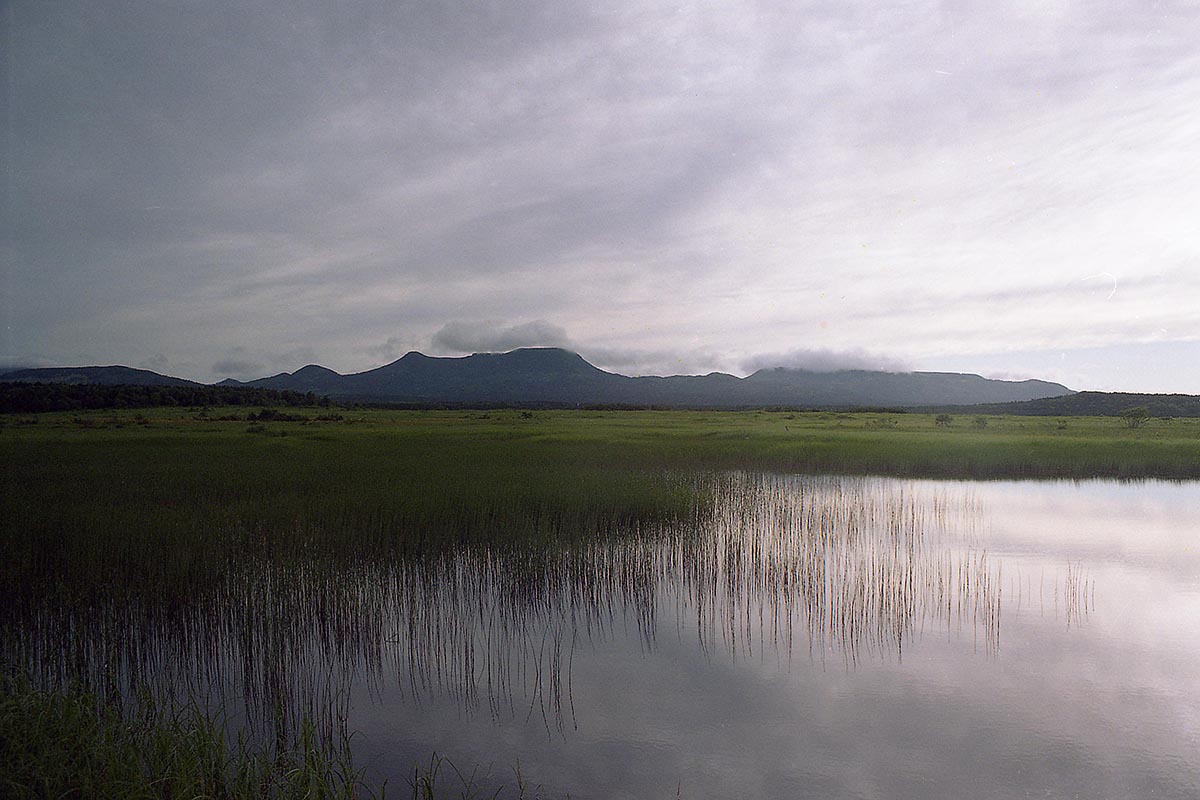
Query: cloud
point(157, 362)
point(242, 362)
point(821, 360)
point(494, 336)
point(389, 350)
point(474, 337)
point(682, 185)
point(14, 363)
point(1008, 375)
point(651, 361)
point(232, 366)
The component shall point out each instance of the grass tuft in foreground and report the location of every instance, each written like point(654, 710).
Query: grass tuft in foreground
point(71, 743)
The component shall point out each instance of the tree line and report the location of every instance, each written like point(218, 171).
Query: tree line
point(25, 398)
point(1089, 404)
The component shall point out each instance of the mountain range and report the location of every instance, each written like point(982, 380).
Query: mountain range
point(553, 376)
point(96, 376)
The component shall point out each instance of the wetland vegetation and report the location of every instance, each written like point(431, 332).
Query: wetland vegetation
point(167, 569)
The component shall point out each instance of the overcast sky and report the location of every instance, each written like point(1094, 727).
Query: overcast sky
point(215, 189)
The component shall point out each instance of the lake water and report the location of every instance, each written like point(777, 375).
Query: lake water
point(943, 639)
point(810, 637)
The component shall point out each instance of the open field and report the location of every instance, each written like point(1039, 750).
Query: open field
point(969, 446)
point(85, 490)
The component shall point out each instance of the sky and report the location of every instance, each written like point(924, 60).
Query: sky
point(232, 189)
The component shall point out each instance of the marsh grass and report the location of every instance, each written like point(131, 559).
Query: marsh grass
point(470, 556)
point(72, 743)
point(200, 565)
point(909, 445)
point(855, 566)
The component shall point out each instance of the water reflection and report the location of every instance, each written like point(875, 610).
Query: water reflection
point(846, 569)
point(856, 568)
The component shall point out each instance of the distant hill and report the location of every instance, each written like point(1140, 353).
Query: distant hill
point(900, 389)
point(96, 376)
point(313, 378)
point(1093, 404)
point(554, 376)
point(550, 376)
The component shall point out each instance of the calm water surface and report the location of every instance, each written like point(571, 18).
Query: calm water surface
point(811, 637)
point(1031, 639)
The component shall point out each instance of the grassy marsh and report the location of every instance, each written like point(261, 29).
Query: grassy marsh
point(271, 562)
point(169, 515)
point(985, 447)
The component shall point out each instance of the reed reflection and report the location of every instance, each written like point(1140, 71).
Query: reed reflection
point(822, 568)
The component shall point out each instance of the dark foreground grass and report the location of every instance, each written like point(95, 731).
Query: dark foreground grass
point(69, 743)
point(87, 510)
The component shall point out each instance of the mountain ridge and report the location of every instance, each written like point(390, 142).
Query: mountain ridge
point(555, 376)
point(105, 376)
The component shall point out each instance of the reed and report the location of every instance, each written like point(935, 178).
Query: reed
point(856, 566)
point(442, 778)
point(467, 556)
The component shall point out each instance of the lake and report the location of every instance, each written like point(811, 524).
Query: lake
point(805, 637)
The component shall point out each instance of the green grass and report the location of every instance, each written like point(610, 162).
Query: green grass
point(135, 528)
point(81, 490)
point(162, 504)
point(93, 506)
point(69, 743)
point(507, 441)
